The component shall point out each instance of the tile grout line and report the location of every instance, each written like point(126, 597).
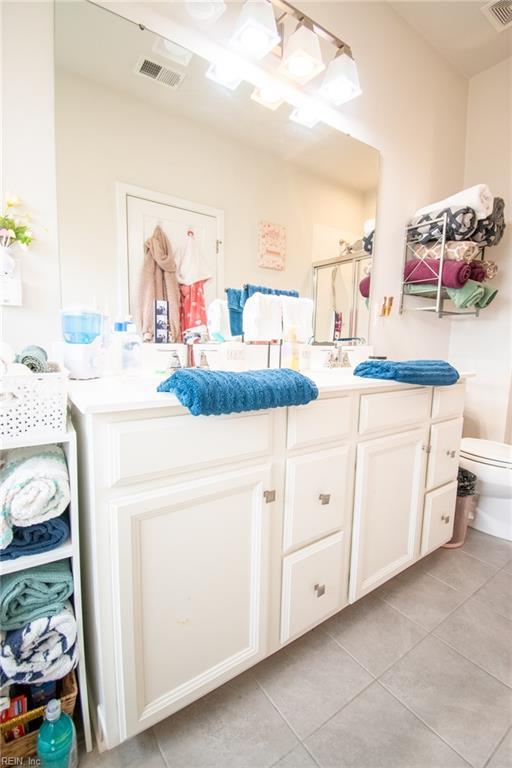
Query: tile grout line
point(445, 642)
point(498, 745)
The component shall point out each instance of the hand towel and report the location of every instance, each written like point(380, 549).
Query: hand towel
point(297, 315)
point(467, 296)
point(263, 318)
point(34, 487)
point(488, 295)
point(218, 320)
point(479, 198)
point(364, 286)
point(234, 298)
point(460, 225)
point(158, 281)
point(43, 650)
point(210, 393)
point(430, 373)
point(192, 306)
point(35, 592)
point(250, 289)
point(191, 266)
point(34, 539)
point(489, 231)
point(455, 273)
point(478, 271)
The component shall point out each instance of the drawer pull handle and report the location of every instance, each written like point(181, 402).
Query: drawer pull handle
point(269, 496)
point(445, 518)
point(451, 454)
point(319, 589)
point(324, 498)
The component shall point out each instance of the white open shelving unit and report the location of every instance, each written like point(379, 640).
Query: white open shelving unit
point(70, 549)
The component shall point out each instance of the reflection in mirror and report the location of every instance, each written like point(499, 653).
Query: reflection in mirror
point(157, 162)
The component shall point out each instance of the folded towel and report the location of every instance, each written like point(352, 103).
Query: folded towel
point(218, 320)
point(368, 242)
point(235, 310)
point(489, 231)
point(491, 268)
point(43, 650)
point(430, 373)
point(422, 289)
point(263, 318)
point(35, 592)
point(249, 290)
point(455, 273)
point(34, 487)
point(478, 271)
point(467, 296)
point(456, 250)
point(489, 295)
point(460, 225)
point(364, 286)
point(34, 539)
point(479, 198)
point(298, 316)
point(208, 393)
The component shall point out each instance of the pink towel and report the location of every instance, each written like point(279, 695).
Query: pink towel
point(455, 273)
point(364, 287)
point(478, 271)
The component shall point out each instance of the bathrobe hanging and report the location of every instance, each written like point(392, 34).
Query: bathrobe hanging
point(159, 281)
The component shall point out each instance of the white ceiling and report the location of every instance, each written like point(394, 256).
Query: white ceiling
point(99, 45)
point(459, 31)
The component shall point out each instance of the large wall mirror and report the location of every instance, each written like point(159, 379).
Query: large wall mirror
point(147, 143)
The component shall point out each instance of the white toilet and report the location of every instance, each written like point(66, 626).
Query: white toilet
point(492, 464)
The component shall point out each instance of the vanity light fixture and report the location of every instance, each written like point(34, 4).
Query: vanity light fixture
point(269, 97)
point(205, 10)
point(302, 56)
point(341, 81)
point(223, 74)
point(256, 29)
point(304, 116)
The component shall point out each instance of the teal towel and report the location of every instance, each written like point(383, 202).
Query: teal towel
point(429, 373)
point(488, 296)
point(34, 592)
point(467, 296)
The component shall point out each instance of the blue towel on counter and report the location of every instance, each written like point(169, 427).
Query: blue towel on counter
point(234, 297)
point(34, 539)
point(430, 373)
point(249, 290)
point(207, 393)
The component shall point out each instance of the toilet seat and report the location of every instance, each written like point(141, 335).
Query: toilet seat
point(487, 452)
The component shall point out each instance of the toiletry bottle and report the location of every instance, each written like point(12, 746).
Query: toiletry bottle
point(116, 347)
point(291, 352)
point(131, 350)
point(56, 740)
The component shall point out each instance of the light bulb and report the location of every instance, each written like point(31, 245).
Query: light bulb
point(205, 10)
point(302, 57)
point(304, 116)
point(256, 31)
point(268, 96)
point(224, 74)
point(341, 81)
point(300, 65)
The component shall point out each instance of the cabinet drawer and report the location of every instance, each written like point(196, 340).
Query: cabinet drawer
point(320, 421)
point(443, 460)
point(148, 448)
point(314, 585)
point(438, 517)
point(317, 495)
point(448, 401)
point(388, 410)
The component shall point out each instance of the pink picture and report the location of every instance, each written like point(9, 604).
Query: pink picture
point(272, 245)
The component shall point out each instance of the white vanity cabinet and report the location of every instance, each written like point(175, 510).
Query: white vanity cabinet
point(211, 542)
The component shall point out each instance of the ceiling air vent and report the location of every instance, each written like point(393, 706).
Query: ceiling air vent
point(170, 77)
point(499, 13)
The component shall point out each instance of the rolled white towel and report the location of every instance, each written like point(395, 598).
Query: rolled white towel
point(218, 318)
point(479, 197)
point(298, 315)
point(262, 318)
point(34, 487)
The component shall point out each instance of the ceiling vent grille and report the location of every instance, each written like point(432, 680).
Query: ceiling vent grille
point(169, 77)
point(499, 13)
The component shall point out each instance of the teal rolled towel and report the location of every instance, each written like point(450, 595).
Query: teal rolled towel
point(489, 295)
point(34, 592)
point(467, 296)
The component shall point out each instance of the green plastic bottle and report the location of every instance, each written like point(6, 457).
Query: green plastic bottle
point(56, 740)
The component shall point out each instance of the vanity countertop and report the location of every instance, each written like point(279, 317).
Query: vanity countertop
point(111, 394)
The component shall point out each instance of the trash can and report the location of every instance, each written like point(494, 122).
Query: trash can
point(464, 508)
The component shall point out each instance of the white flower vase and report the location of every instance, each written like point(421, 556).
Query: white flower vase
point(7, 261)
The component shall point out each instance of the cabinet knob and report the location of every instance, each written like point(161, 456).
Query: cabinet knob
point(269, 496)
point(445, 518)
point(324, 498)
point(451, 454)
point(319, 589)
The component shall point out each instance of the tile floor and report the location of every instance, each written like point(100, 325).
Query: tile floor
point(416, 675)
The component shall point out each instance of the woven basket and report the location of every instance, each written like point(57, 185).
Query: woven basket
point(26, 746)
point(33, 405)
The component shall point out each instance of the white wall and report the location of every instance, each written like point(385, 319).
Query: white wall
point(105, 136)
point(28, 164)
point(484, 344)
point(413, 110)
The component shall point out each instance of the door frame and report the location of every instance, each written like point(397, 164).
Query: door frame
point(125, 191)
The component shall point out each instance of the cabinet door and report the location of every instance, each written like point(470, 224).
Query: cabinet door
point(390, 475)
point(318, 496)
point(438, 517)
point(443, 462)
point(191, 580)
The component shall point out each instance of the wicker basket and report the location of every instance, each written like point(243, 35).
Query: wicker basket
point(33, 405)
point(26, 746)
